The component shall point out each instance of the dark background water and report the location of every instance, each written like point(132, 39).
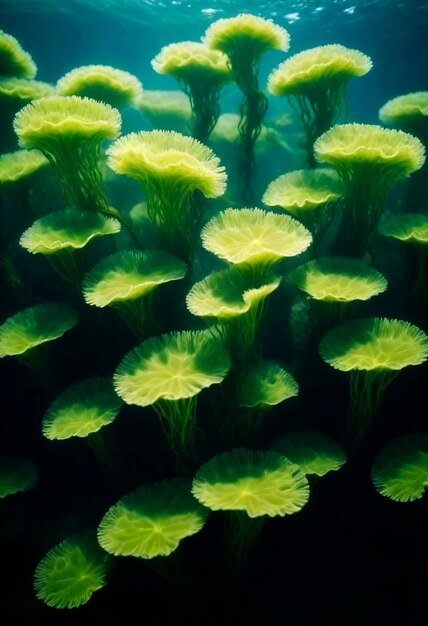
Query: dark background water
point(350, 556)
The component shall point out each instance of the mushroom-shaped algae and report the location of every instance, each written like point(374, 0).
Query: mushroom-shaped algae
point(71, 572)
point(27, 334)
point(152, 521)
point(254, 238)
point(69, 131)
point(14, 60)
point(369, 160)
point(104, 83)
point(16, 475)
point(400, 470)
point(168, 373)
point(250, 486)
point(314, 82)
point(166, 109)
point(127, 281)
point(245, 38)
point(15, 166)
point(60, 236)
point(201, 72)
point(313, 452)
point(170, 167)
point(373, 350)
point(309, 195)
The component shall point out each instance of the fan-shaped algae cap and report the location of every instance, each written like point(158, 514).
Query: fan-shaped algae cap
point(229, 293)
point(400, 470)
point(20, 164)
point(22, 90)
point(16, 475)
point(152, 520)
point(68, 118)
point(82, 409)
point(103, 83)
point(171, 367)
point(257, 482)
point(332, 65)
point(338, 279)
point(313, 452)
point(129, 275)
point(349, 144)
point(168, 158)
point(254, 236)
point(303, 190)
point(34, 326)
point(408, 227)
point(246, 33)
point(374, 344)
point(266, 385)
point(64, 230)
point(191, 61)
point(71, 572)
point(406, 109)
point(161, 105)
point(14, 61)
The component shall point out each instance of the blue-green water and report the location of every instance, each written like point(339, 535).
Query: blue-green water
point(351, 555)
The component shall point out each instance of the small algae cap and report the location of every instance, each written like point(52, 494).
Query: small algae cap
point(405, 110)
point(345, 145)
point(168, 158)
point(152, 520)
point(266, 385)
point(303, 190)
point(17, 165)
point(338, 279)
point(171, 367)
point(257, 482)
point(21, 90)
point(14, 61)
point(129, 275)
point(103, 83)
point(374, 344)
point(408, 227)
point(247, 34)
point(64, 230)
point(166, 109)
point(65, 118)
point(16, 475)
point(34, 326)
point(82, 409)
point(71, 572)
point(229, 293)
point(313, 452)
point(254, 236)
point(400, 471)
point(304, 72)
point(191, 61)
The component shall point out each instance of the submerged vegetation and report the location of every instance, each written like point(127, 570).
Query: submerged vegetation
point(214, 402)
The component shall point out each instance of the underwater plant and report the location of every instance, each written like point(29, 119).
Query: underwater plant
point(103, 83)
point(314, 82)
point(152, 520)
point(71, 572)
point(245, 38)
point(168, 373)
point(373, 350)
point(170, 167)
point(250, 486)
point(27, 333)
point(127, 280)
point(16, 475)
point(62, 236)
point(201, 73)
point(166, 110)
point(314, 453)
point(14, 60)
point(310, 196)
point(369, 160)
point(254, 238)
point(17, 165)
point(69, 131)
point(400, 470)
